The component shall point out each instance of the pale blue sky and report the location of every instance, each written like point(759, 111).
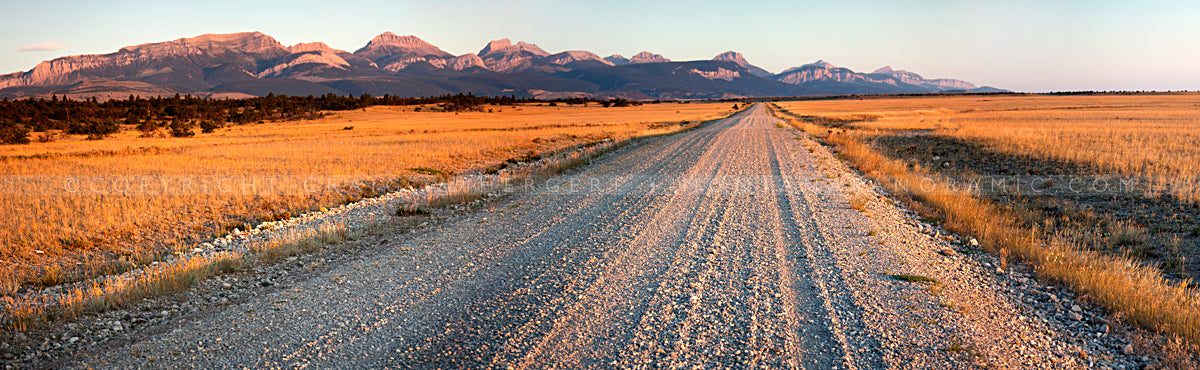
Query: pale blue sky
point(1019, 45)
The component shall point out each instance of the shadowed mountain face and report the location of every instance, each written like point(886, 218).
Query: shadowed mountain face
point(252, 63)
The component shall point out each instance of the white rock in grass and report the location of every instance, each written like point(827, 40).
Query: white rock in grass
point(973, 242)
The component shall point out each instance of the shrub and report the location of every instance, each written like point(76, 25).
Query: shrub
point(12, 133)
point(95, 130)
point(148, 128)
point(181, 128)
point(209, 126)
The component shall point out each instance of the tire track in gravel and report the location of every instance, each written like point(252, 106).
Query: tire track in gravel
point(818, 300)
point(547, 287)
point(798, 200)
point(600, 310)
point(467, 335)
point(723, 246)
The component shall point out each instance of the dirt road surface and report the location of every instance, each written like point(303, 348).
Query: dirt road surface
point(731, 245)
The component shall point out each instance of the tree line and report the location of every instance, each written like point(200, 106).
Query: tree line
point(180, 115)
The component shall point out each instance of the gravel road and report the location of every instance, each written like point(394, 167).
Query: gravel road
point(731, 245)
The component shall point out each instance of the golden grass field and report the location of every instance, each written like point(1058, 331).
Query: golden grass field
point(1148, 137)
point(76, 208)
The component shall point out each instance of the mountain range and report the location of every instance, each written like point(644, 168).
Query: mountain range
point(254, 64)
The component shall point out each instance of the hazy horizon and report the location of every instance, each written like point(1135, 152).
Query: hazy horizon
point(1020, 46)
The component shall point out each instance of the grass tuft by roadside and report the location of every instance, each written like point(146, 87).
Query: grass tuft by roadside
point(103, 294)
point(914, 278)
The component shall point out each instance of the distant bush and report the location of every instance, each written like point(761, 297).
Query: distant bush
point(12, 133)
point(209, 126)
point(181, 128)
point(94, 129)
point(148, 128)
point(618, 102)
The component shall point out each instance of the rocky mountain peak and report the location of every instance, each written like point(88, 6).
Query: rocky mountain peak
point(495, 46)
point(311, 46)
point(902, 75)
point(648, 57)
point(739, 59)
point(505, 46)
point(820, 64)
point(243, 42)
point(617, 59)
point(388, 38)
point(732, 56)
point(388, 44)
point(885, 77)
point(465, 61)
point(572, 56)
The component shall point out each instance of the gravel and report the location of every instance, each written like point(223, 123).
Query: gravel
point(726, 246)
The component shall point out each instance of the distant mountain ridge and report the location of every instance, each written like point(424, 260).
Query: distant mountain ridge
point(252, 63)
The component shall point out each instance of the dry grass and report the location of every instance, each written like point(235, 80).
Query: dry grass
point(1150, 137)
point(102, 294)
point(1140, 292)
point(179, 274)
point(859, 202)
point(1135, 290)
point(76, 208)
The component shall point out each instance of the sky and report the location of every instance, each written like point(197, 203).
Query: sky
point(1018, 45)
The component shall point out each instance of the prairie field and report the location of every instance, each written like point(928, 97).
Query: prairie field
point(1098, 192)
point(1150, 137)
point(1117, 173)
point(76, 208)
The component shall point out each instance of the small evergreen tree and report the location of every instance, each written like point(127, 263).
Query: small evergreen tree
point(181, 128)
point(148, 128)
point(209, 126)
